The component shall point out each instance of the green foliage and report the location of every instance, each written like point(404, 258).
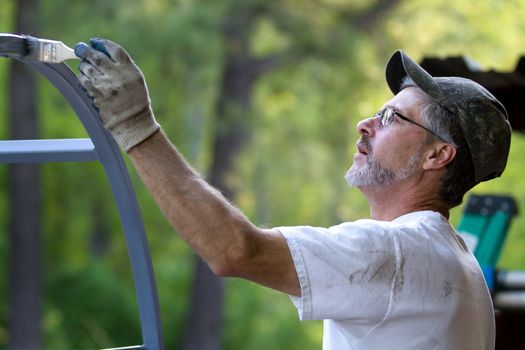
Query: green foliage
point(262, 320)
point(6, 18)
point(86, 308)
point(292, 172)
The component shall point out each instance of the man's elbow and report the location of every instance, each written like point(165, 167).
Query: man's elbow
point(229, 266)
point(236, 261)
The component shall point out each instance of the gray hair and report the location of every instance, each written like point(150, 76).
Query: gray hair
point(459, 177)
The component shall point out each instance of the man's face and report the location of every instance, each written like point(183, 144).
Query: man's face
point(387, 154)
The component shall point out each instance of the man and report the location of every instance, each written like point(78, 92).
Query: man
point(403, 279)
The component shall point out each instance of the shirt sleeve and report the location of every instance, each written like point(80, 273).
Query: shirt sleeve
point(346, 272)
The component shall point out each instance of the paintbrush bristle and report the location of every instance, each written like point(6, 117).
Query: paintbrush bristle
point(11, 44)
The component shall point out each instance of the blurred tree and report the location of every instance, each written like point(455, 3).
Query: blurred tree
point(24, 197)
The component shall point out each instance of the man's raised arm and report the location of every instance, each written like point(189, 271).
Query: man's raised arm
point(214, 228)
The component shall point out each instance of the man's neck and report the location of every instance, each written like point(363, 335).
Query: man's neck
point(390, 202)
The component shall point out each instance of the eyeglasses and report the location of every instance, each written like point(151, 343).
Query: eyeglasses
point(386, 117)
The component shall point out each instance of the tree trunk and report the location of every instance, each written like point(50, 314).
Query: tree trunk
point(203, 328)
point(24, 199)
point(99, 233)
point(204, 320)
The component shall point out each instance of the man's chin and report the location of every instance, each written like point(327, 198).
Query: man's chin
point(353, 177)
point(367, 176)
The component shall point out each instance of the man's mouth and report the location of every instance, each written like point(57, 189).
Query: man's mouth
point(363, 147)
point(361, 150)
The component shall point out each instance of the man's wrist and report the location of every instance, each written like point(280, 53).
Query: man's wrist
point(134, 131)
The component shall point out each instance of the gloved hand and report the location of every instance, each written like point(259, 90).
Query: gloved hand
point(119, 91)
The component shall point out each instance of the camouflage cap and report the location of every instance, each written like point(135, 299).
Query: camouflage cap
point(482, 117)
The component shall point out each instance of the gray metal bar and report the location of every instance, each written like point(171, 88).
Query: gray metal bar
point(511, 279)
point(108, 153)
point(510, 300)
point(41, 151)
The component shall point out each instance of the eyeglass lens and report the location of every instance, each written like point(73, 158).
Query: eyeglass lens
point(386, 116)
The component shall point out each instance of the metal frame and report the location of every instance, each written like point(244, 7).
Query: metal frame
point(99, 147)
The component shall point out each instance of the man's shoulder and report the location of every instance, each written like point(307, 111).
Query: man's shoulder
point(421, 221)
point(363, 229)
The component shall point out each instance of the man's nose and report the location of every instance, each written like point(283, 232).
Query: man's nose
point(367, 126)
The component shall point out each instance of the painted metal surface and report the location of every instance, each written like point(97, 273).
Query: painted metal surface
point(100, 147)
point(44, 151)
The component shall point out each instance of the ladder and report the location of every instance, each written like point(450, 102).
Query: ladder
point(100, 147)
point(484, 226)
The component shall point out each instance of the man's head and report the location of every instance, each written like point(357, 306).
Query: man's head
point(392, 142)
point(453, 111)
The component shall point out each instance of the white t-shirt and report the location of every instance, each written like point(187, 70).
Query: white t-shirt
point(406, 284)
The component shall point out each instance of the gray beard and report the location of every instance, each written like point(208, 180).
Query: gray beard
point(374, 174)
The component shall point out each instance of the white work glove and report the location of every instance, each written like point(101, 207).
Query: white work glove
point(119, 91)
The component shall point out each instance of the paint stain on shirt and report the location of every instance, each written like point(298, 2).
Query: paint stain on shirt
point(447, 288)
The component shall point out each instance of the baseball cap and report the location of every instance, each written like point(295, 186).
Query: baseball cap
point(482, 117)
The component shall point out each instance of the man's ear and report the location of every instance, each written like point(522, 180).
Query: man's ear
point(439, 155)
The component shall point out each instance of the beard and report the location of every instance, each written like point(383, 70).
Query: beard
point(374, 174)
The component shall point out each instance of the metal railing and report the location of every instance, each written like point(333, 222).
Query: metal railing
point(100, 147)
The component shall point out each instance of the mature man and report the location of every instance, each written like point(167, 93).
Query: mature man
point(403, 279)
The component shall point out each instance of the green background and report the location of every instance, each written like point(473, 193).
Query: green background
point(291, 172)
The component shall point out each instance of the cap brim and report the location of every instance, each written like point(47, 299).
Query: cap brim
point(400, 66)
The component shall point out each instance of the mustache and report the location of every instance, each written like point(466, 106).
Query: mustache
point(364, 143)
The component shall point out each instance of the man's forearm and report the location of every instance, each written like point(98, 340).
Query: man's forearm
point(214, 228)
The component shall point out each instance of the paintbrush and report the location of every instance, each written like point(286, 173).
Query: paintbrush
point(50, 51)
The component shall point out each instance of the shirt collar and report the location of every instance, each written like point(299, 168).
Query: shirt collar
point(423, 214)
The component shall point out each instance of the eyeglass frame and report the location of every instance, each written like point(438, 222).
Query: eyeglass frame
point(381, 114)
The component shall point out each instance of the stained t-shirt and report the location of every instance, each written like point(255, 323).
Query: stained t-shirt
point(410, 283)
